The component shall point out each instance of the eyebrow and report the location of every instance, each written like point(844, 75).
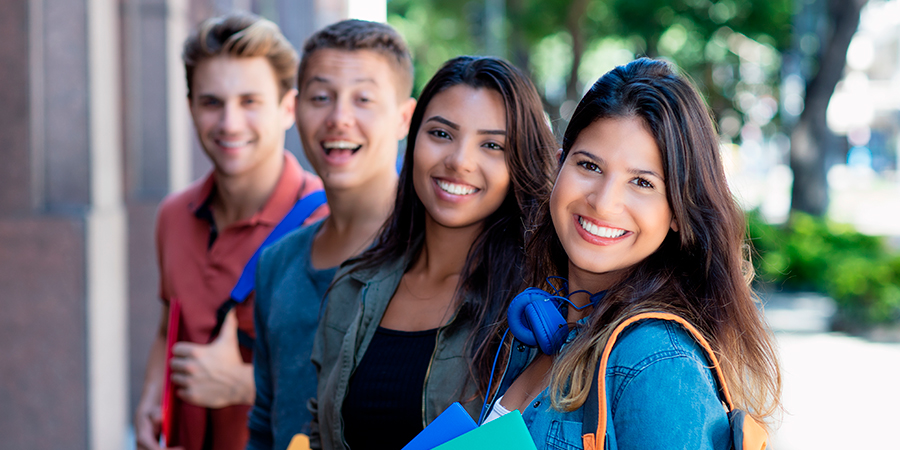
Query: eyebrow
point(318, 79)
point(203, 96)
point(602, 161)
point(450, 124)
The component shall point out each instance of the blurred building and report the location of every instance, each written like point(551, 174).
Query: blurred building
point(96, 131)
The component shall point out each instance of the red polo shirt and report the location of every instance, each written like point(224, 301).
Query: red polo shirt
point(201, 277)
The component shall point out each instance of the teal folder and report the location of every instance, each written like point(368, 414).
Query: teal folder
point(452, 423)
point(506, 432)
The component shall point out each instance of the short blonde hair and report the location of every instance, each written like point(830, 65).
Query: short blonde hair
point(242, 35)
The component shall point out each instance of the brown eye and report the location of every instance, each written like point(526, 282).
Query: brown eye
point(587, 165)
point(440, 134)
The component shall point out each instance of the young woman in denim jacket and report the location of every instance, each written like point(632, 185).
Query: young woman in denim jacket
point(641, 210)
point(406, 330)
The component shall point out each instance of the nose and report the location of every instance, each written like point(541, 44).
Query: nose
point(232, 119)
point(340, 116)
point(608, 197)
point(462, 157)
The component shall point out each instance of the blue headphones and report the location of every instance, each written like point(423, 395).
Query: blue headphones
point(535, 319)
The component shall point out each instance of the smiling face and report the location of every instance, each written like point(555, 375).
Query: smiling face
point(459, 165)
point(609, 203)
point(351, 117)
point(239, 117)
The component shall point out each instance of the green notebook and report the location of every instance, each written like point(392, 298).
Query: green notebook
point(506, 432)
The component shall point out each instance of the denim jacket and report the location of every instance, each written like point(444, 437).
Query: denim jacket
point(660, 394)
point(356, 304)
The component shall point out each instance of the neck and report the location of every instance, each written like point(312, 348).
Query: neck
point(239, 197)
point(445, 250)
point(363, 207)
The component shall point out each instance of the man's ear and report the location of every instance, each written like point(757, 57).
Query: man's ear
point(288, 108)
point(407, 107)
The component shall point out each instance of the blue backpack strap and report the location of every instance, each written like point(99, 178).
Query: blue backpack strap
point(294, 218)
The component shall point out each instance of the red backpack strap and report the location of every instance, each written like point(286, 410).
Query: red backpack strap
point(594, 439)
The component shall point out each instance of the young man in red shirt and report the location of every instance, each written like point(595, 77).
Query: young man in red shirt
point(240, 76)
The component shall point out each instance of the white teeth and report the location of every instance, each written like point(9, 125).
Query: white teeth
point(233, 144)
point(329, 145)
point(600, 231)
point(456, 189)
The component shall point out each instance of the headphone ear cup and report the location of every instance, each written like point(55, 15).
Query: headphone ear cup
point(518, 322)
point(535, 320)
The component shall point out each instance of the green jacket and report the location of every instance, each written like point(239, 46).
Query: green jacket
point(355, 306)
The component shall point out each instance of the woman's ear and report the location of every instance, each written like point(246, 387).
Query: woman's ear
point(674, 224)
point(559, 156)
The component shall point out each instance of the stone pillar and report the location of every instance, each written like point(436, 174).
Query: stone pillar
point(62, 227)
point(95, 131)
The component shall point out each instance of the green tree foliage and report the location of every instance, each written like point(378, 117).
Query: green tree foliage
point(810, 253)
point(567, 44)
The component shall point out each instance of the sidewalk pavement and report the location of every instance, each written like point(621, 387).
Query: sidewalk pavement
point(840, 392)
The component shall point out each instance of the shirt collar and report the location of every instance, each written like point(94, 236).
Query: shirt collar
point(284, 196)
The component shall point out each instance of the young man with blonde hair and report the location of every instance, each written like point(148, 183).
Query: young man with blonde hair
point(353, 106)
point(240, 77)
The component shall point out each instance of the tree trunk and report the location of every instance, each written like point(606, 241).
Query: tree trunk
point(811, 139)
point(577, 11)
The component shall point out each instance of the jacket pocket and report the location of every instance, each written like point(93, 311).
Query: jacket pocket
point(565, 435)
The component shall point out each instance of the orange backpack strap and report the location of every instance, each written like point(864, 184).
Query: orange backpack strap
point(596, 409)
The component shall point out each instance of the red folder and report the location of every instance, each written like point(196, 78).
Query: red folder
point(168, 397)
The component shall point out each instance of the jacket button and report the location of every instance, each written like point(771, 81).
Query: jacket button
point(536, 403)
point(521, 347)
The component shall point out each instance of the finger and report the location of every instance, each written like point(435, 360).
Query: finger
point(181, 365)
point(180, 380)
point(229, 329)
point(184, 349)
point(187, 395)
point(145, 437)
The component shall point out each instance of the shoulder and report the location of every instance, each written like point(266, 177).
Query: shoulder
point(653, 340)
point(290, 249)
point(353, 285)
point(185, 201)
point(176, 214)
point(654, 356)
point(661, 390)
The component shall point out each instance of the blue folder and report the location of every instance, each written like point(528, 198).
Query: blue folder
point(452, 423)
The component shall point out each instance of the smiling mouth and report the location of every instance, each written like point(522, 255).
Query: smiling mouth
point(456, 189)
point(340, 147)
point(232, 144)
point(596, 230)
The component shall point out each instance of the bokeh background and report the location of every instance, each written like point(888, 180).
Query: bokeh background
point(93, 118)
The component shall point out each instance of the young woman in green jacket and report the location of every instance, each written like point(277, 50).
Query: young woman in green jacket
point(407, 326)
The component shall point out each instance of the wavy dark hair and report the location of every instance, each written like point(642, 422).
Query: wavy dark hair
point(493, 270)
point(701, 272)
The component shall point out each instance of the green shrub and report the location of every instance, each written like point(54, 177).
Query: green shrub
point(808, 253)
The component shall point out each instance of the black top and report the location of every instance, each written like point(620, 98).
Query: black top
point(383, 408)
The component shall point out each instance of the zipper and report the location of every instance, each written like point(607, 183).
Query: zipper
point(437, 340)
point(362, 316)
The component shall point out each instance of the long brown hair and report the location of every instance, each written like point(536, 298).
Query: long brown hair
point(700, 272)
point(493, 270)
